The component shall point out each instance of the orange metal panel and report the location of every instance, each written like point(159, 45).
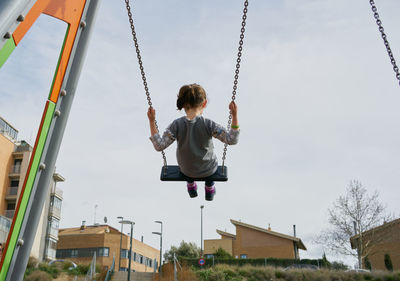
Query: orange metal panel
point(69, 11)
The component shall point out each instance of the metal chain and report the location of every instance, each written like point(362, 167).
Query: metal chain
point(139, 57)
point(384, 37)
point(236, 77)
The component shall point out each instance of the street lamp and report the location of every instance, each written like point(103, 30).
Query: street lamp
point(160, 233)
point(130, 246)
point(201, 210)
point(120, 244)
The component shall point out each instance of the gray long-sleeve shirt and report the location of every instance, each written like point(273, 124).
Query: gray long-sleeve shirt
point(195, 151)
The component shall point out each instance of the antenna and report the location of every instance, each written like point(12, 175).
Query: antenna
point(95, 210)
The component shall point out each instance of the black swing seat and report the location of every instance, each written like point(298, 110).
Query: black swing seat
point(173, 173)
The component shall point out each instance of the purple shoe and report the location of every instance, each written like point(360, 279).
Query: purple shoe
point(192, 189)
point(210, 192)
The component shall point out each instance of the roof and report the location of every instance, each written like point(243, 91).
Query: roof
point(223, 233)
point(375, 229)
point(297, 240)
point(90, 229)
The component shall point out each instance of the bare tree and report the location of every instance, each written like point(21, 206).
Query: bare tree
point(352, 215)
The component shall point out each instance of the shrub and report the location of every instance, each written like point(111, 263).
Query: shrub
point(38, 275)
point(388, 262)
point(32, 263)
point(50, 269)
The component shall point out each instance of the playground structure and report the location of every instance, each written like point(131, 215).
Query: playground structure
point(16, 18)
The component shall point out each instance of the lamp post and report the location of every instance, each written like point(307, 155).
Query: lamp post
point(201, 210)
point(160, 233)
point(130, 246)
point(120, 244)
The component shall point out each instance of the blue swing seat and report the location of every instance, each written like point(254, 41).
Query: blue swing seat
point(173, 173)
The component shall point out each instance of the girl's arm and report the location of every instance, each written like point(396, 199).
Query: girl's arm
point(233, 109)
point(151, 114)
point(159, 143)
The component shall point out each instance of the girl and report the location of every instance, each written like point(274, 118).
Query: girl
point(193, 132)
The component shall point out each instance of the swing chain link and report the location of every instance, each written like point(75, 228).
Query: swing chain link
point(139, 57)
point(236, 77)
point(384, 37)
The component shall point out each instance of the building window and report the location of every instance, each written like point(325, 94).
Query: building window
point(51, 248)
point(53, 226)
point(55, 202)
point(103, 252)
point(243, 256)
point(124, 253)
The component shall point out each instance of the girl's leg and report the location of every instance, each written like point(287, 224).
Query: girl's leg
point(210, 190)
point(191, 187)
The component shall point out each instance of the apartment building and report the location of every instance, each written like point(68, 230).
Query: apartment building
point(14, 161)
point(255, 242)
point(79, 244)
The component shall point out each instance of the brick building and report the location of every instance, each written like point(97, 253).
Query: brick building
point(255, 242)
point(79, 244)
point(381, 240)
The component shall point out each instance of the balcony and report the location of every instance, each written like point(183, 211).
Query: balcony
point(55, 191)
point(15, 171)
point(9, 214)
point(12, 193)
point(55, 212)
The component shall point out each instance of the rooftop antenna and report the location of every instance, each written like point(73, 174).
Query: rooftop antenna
point(95, 210)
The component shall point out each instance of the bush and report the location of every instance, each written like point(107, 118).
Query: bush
point(367, 263)
point(38, 275)
point(32, 263)
point(388, 262)
point(50, 269)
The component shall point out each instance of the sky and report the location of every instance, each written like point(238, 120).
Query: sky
point(317, 99)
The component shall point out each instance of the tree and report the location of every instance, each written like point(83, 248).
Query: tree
point(351, 216)
point(388, 262)
point(222, 254)
point(185, 250)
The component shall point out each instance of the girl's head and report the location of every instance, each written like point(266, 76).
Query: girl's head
point(191, 96)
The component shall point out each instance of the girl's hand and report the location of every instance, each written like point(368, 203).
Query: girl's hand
point(151, 114)
point(233, 108)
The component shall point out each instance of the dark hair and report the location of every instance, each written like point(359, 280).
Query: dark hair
point(191, 96)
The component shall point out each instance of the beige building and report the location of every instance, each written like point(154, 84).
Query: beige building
point(14, 162)
point(381, 240)
point(255, 242)
point(80, 243)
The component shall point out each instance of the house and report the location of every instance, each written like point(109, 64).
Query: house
point(255, 242)
point(378, 241)
point(78, 244)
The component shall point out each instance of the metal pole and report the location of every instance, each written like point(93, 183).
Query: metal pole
point(160, 270)
point(201, 210)
point(130, 255)
point(120, 244)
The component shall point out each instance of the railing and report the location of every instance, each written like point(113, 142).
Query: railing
point(9, 214)
point(12, 190)
point(110, 271)
point(16, 169)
